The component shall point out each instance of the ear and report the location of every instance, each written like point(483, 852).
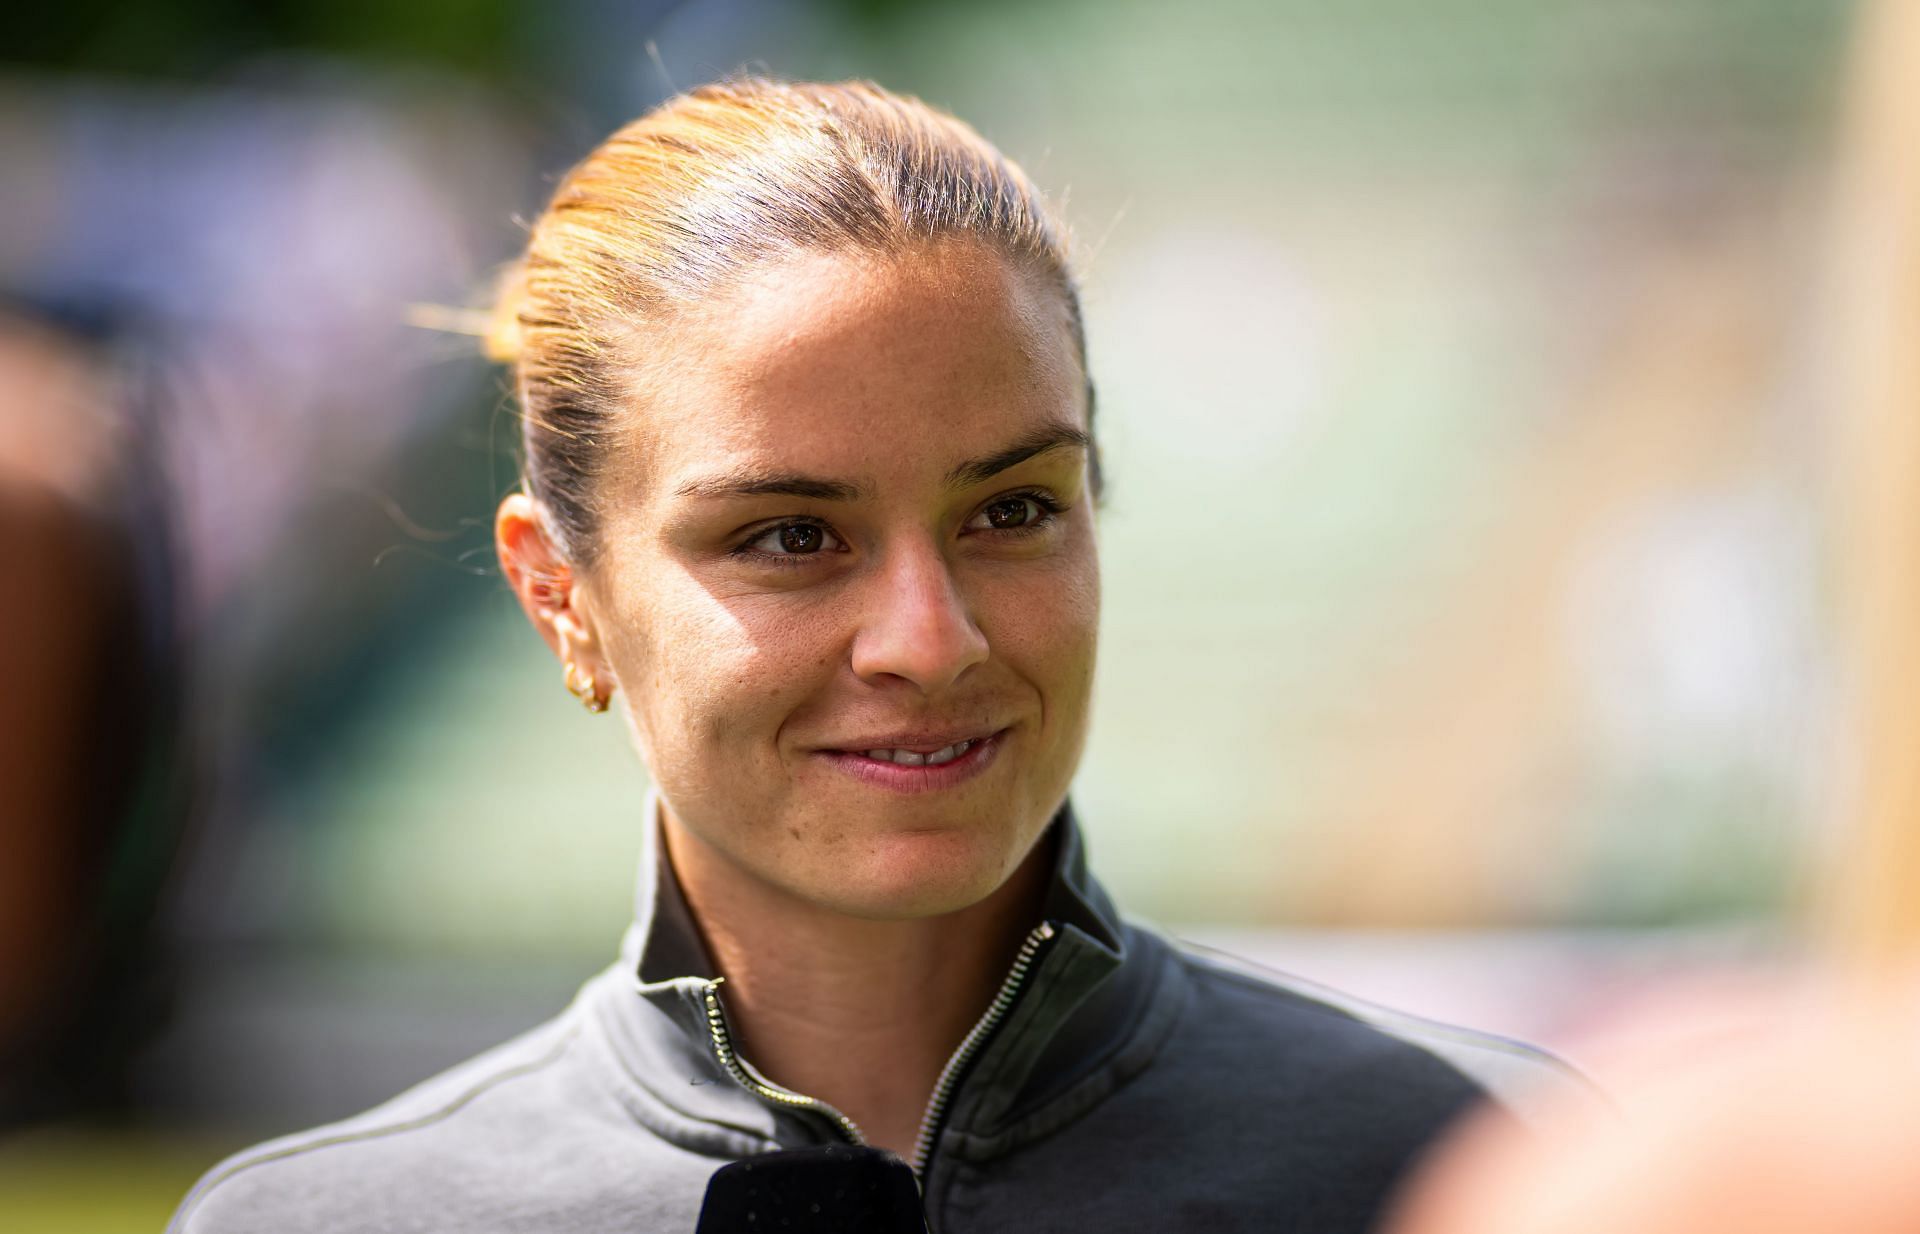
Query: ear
point(546, 584)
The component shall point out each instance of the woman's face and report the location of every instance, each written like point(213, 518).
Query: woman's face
point(848, 585)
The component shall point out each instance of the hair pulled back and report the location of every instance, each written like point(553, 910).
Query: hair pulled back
point(687, 200)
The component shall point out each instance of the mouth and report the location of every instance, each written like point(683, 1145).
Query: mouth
point(910, 764)
point(908, 756)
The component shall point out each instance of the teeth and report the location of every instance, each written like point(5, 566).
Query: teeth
point(908, 758)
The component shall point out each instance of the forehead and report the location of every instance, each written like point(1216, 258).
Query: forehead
point(855, 365)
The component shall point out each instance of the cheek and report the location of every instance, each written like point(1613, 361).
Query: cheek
point(708, 671)
point(1045, 626)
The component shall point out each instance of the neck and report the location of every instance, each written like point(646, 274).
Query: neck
point(860, 1014)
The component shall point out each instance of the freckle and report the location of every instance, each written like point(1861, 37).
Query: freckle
point(794, 832)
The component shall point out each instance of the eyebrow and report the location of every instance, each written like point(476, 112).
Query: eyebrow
point(1039, 441)
point(748, 482)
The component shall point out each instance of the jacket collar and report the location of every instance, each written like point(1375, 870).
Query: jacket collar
point(659, 1011)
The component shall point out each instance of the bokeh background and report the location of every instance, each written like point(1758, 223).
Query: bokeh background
point(1500, 477)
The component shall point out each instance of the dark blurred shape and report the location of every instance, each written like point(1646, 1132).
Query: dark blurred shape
point(95, 772)
point(833, 1189)
point(218, 427)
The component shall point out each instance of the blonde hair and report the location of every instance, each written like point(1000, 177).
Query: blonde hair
point(683, 202)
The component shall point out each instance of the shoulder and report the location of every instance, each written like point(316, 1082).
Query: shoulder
point(1368, 1053)
point(430, 1149)
point(1266, 1094)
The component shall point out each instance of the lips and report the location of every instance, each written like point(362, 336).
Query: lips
point(919, 745)
point(909, 757)
point(917, 762)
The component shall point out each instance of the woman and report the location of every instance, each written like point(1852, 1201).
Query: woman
point(810, 484)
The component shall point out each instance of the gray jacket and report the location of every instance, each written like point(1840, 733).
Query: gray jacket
point(1118, 1084)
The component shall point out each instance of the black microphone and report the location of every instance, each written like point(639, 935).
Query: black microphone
point(835, 1189)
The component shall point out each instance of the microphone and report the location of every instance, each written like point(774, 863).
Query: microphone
point(834, 1189)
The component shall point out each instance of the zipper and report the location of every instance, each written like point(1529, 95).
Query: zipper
point(736, 1067)
point(936, 1114)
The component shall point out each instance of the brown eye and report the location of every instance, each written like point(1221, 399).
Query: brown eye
point(793, 540)
point(1013, 512)
point(800, 538)
point(1019, 514)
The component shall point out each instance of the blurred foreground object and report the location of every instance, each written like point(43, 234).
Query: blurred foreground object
point(1765, 1113)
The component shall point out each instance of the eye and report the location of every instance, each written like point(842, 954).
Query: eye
point(1016, 512)
point(796, 539)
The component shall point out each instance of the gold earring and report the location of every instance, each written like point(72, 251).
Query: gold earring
point(585, 688)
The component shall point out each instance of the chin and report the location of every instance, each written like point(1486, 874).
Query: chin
point(907, 875)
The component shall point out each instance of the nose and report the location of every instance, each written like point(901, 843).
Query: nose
point(916, 625)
